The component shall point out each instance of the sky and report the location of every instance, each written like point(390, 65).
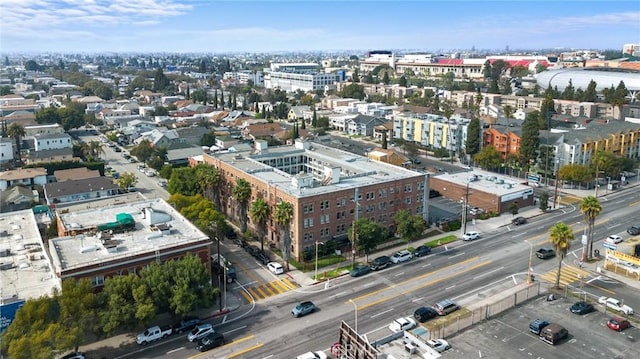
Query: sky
point(224, 26)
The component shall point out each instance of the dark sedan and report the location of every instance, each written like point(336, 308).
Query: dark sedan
point(185, 324)
point(422, 251)
point(519, 220)
point(360, 270)
point(423, 314)
point(212, 340)
point(581, 308)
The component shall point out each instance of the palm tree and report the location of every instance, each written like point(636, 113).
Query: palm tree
point(209, 178)
point(242, 194)
point(590, 208)
point(95, 149)
point(16, 132)
point(283, 217)
point(561, 236)
point(260, 213)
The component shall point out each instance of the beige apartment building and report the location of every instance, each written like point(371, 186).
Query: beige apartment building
point(327, 187)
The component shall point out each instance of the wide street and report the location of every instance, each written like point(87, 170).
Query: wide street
point(266, 329)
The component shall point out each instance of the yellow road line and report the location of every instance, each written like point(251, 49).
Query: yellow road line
point(226, 345)
point(267, 288)
point(413, 280)
point(235, 354)
point(246, 296)
point(254, 293)
point(425, 285)
point(288, 283)
point(635, 203)
point(262, 293)
point(280, 286)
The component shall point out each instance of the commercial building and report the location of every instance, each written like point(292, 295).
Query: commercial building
point(328, 188)
point(432, 130)
point(112, 238)
point(25, 266)
point(485, 190)
point(292, 77)
point(244, 76)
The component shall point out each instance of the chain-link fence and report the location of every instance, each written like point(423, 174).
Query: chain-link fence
point(484, 312)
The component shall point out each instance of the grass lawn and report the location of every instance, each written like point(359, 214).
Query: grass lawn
point(444, 240)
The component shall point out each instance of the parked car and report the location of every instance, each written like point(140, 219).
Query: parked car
point(303, 309)
point(275, 267)
point(380, 263)
point(359, 270)
point(471, 236)
point(616, 305)
point(423, 314)
point(581, 308)
point(153, 333)
point(439, 345)
point(312, 355)
point(253, 250)
point(537, 325)
point(519, 220)
point(74, 355)
point(262, 257)
point(618, 324)
point(210, 341)
point(422, 251)
point(634, 230)
point(553, 333)
point(199, 332)
point(185, 324)
point(402, 324)
point(476, 211)
point(445, 307)
point(401, 256)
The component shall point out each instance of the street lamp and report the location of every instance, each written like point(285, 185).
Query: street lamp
point(316, 272)
point(356, 314)
point(530, 260)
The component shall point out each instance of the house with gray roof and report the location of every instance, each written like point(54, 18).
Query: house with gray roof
point(53, 141)
point(79, 190)
point(363, 125)
point(16, 198)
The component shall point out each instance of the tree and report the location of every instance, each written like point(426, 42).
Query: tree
point(242, 194)
point(544, 202)
point(530, 140)
point(590, 208)
point(95, 149)
point(547, 109)
point(160, 81)
point(513, 208)
point(31, 65)
point(620, 96)
point(402, 81)
point(488, 158)
point(208, 139)
point(314, 119)
point(143, 151)
point(546, 158)
point(408, 227)
point(473, 137)
point(283, 218)
point(126, 180)
point(260, 212)
point(209, 179)
point(17, 132)
point(183, 181)
point(78, 308)
point(569, 91)
point(508, 111)
point(369, 234)
point(560, 236)
point(353, 91)
point(590, 94)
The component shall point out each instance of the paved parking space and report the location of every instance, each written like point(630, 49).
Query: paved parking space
point(508, 336)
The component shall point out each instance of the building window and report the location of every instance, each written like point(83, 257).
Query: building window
point(97, 281)
point(407, 188)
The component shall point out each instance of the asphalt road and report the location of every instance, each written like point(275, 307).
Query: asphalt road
point(266, 329)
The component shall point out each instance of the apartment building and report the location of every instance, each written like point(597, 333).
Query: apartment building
point(504, 135)
point(432, 130)
point(327, 187)
point(292, 77)
point(244, 76)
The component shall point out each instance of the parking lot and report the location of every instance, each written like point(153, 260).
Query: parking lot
point(508, 336)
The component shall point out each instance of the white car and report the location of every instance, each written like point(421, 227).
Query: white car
point(401, 256)
point(199, 332)
point(439, 345)
point(402, 324)
point(470, 236)
point(275, 267)
point(616, 305)
point(312, 355)
point(613, 239)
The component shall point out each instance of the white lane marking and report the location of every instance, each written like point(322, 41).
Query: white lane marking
point(487, 273)
point(381, 313)
point(399, 274)
point(457, 255)
point(426, 265)
point(235, 330)
point(417, 300)
point(175, 350)
point(447, 288)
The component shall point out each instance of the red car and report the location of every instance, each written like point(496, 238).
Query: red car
point(618, 324)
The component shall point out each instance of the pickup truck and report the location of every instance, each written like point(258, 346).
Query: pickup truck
point(544, 253)
point(616, 305)
point(153, 333)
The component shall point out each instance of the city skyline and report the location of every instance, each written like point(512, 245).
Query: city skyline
point(189, 26)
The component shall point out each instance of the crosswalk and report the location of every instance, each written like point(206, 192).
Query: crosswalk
point(266, 290)
point(569, 274)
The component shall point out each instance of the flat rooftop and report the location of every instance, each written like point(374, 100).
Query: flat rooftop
point(489, 182)
point(158, 226)
point(354, 170)
point(25, 267)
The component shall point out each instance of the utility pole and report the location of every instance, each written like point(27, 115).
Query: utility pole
point(465, 203)
point(555, 195)
point(355, 232)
